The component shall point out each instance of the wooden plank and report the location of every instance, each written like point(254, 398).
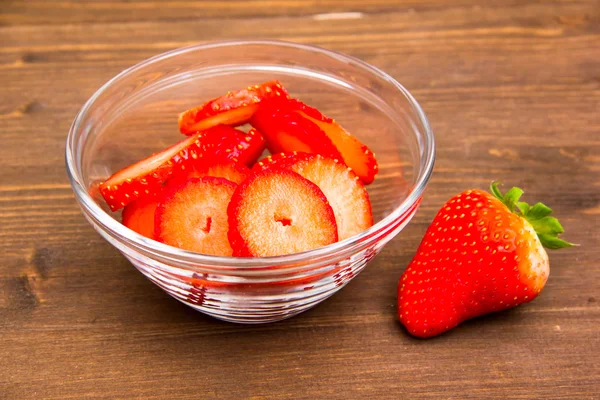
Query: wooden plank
point(37, 12)
point(513, 93)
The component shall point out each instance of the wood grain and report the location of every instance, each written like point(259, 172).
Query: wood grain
point(512, 90)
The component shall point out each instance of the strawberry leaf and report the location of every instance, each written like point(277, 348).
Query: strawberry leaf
point(524, 207)
point(547, 225)
point(552, 242)
point(511, 198)
point(495, 191)
point(547, 228)
point(538, 211)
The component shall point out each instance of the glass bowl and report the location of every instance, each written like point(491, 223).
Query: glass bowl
point(135, 114)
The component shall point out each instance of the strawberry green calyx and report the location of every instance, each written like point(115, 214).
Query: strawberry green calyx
point(547, 228)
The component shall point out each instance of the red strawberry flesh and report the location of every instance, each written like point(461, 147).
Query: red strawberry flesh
point(193, 216)
point(286, 131)
point(344, 191)
point(234, 172)
point(147, 176)
point(223, 142)
point(139, 215)
point(352, 151)
point(234, 108)
point(276, 212)
point(218, 144)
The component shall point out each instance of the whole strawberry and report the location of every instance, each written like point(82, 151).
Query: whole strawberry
point(481, 254)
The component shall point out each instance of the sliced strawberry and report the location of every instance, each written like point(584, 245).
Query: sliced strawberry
point(139, 215)
point(235, 108)
point(276, 212)
point(344, 190)
point(220, 143)
point(193, 216)
point(234, 172)
point(342, 187)
point(148, 175)
point(354, 153)
point(286, 130)
point(279, 160)
point(223, 142)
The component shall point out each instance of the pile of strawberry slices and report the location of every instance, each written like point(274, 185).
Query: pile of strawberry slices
point(210, 194)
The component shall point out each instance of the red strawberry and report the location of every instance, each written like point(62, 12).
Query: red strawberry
point(286, 130)
point(354, 153)
point(229, 170)
point(223, 142)
point(276, 212)
point(235, 108)
point(193, 216)
point(139, 215)
point(481, 254)
point(148, 175)
point(344, 191)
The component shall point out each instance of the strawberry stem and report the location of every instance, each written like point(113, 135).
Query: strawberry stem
point(547, 228)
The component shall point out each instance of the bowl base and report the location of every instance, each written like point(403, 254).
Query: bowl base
point(255, 303)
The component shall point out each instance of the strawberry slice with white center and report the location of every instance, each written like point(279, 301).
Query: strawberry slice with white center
point(139, 215)
point(234, 172)
point(147, 176)
point(276, 212)
point(344, 190)
point(193, 216)
point(285, 130)
point(234, 108)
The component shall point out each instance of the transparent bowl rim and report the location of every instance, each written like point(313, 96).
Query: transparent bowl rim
point(141, 243)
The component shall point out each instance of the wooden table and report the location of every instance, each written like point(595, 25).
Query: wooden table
point(512, 89)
